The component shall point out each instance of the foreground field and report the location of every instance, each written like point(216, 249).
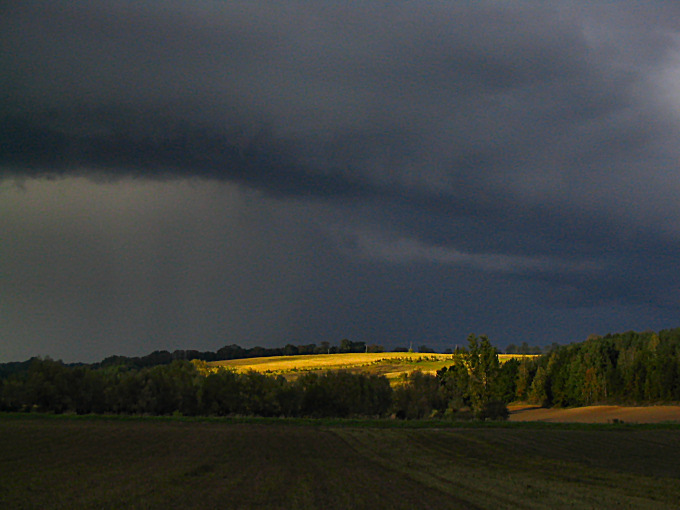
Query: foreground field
point(389, 364)
point(52, 462)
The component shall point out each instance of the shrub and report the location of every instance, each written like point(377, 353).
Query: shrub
point(493, 410)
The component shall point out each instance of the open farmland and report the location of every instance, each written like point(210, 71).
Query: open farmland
point(390, 364)
point(596, 414)
point(67, 462)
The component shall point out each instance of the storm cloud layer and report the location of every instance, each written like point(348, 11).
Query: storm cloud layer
point(189, 174)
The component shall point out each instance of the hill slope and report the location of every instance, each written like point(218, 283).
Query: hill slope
point(390, 364)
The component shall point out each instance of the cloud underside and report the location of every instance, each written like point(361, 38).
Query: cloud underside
point(528, 117)
point(528, 146)
point(523, 102)
point(406, 251)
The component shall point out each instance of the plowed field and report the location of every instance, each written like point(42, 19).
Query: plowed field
point(597, 414)
point(53, 462)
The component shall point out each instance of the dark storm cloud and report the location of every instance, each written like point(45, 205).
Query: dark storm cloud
point(399, 94)
point(510, 99)
point(531, 144)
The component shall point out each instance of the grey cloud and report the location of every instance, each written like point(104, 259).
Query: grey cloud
point(450, 79)
point(405, 251)
point(91, 269)
point(521, 140)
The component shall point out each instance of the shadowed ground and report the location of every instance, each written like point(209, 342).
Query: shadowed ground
point(51, 462)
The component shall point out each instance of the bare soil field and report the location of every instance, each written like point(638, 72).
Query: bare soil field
point(596, 414)
point(69, 462)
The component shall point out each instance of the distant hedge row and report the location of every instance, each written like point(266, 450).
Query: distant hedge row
point(189, 389)
point(179, 387)
point(621, 368)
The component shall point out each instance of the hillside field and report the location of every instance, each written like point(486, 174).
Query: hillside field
point(390, 364)
point(596, 414)
point(49, 461)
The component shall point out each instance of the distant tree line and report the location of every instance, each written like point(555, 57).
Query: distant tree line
point(525, 348)
point(190, 388)
point(617, 369)
point(227, 352)
point(185, 387)
point(234, 351)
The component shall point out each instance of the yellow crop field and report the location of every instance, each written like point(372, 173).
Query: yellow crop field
point(390, 364)
point(326, 361)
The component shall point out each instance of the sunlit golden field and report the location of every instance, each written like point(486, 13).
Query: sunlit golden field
point(390, 364)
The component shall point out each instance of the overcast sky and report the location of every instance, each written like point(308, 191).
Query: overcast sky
point(186, 175)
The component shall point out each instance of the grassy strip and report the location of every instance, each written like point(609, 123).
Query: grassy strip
point(384, 423)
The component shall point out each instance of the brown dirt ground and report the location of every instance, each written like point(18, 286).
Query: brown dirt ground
point(596, 414)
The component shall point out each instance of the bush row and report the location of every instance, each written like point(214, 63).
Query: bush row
point(182, 387)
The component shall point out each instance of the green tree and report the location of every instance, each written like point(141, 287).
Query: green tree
point(525, 374)
point(483, 367)
point(476, 378)
point(220, 393)
point(420, 396)
point(507, 380)
point(539, 387)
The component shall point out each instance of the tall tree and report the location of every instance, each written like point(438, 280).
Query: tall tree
point(484, 368)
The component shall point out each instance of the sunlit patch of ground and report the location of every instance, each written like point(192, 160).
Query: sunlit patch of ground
point(390, 364)
point(596, 414)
